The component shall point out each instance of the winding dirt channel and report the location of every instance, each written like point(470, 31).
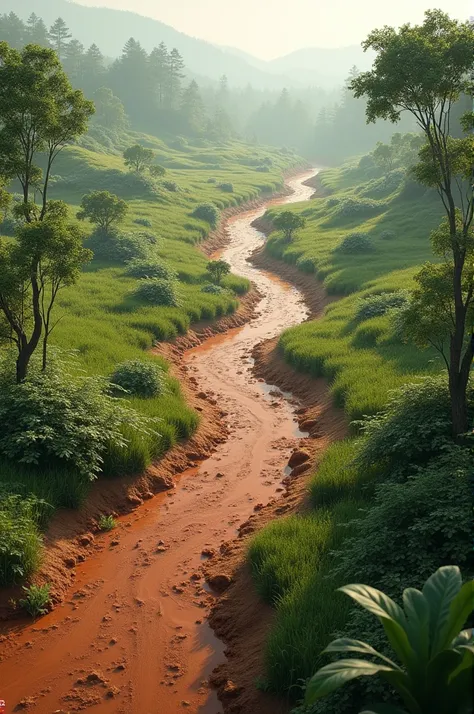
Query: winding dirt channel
point(132, 635)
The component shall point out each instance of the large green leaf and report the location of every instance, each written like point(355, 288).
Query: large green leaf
point(457, 697)
point(440, 590)
point(391, 616)
point(405, 688)
point(417, 612)
point(460, 609)
point(347, 645)
point(335, 675)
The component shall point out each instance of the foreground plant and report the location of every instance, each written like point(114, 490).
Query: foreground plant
point(37, 599)
point(437, 660)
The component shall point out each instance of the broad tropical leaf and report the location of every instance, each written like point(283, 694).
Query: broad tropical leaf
point(440, 590)
point(461, 608)
point(347, 645)
point(417, 612)
point(336, 674)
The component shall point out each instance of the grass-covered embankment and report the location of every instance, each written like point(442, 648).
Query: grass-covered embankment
point(391, 504)
point(105, 322)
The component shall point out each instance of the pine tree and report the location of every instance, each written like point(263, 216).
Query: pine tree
point(192, 109)
point(175, 77)
point(59, 35)
point(36, 31)
point(159, 64)
point(93, 72)
point(13, 30)
point(129, 79)
point(72, 62)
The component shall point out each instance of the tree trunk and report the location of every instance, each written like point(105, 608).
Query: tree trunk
point(45, 351)
point(22, 362)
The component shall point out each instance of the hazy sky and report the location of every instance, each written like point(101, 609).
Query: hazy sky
point(270, 28)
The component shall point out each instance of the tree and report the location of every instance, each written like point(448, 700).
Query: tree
point(383, 156)
point(157, 171)
point(46, 257)
point(93, 70)
point(289, 223)
point(40, 114)
point(138, 158)
point(175, 77)
point(102, 208)
point(436, 659)
point(192, 109)
point(159, 64)
point(72, 61)
point(37, 32)
point(218, 270)
point(109, 110)
point(424, 70)
point(59, 36)
point(14, 29)
point(130, 80)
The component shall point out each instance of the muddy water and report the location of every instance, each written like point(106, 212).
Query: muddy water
point(132, 635)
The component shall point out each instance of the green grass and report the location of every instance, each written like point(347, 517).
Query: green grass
point(292, 560)
point(363, 360)
point(102, 320)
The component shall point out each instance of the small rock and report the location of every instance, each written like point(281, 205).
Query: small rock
point(160, 549)
point(114, 543)
point(231, 690)
point(134, 499)
point(208, 553)
point(308, 425)
point(220, 475)
point(185, 703)
point(298, 457)
point(120, 667)
point(139, 602)
point(70, 562)
point(220, 582)
point(202, 395)
point(259, 507)
point(86, 539)
point(112, 692)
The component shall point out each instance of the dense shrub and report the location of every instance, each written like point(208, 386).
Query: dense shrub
point(381, 187)
point(356, 243)
point(388, 235)
point(331, 202)
point(207, 212)
point(8, 226)
point(353, 207)
point(119, 247)
point(158, 291)
point(377, 305)
point(213, 289)
point(150, 269)
point(263, 169)
point(142, 379)
point(171, 186)
point(20, 542)
point(53, 418)
point(211, 180)
point(416, 423)
point(227, 187)
point(143, 222)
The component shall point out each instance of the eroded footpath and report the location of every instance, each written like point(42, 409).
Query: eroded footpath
point(132, 634)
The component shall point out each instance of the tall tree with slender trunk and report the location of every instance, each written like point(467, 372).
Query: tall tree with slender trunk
point(424, 70)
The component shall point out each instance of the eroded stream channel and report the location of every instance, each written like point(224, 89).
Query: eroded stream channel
point(132, 635)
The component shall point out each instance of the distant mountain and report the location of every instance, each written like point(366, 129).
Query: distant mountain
point(110, 29)
point(319, 65)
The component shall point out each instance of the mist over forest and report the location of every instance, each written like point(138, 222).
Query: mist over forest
point(161, 81)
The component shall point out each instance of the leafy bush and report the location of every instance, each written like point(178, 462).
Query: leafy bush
point(263, 169)
point(120, 247)
point(179, 143)
point(227, 187)
point(37, 599)
point(149, 269)
point(415, 423)
point(211, 180)
point(158, 291)
point(356, 243)
point(388, 235)
point(207, 212)
point(142, 379)
point(213, 289)
point(331, 202)
point(376, 305)
point(20, 542)
point(53, 418)
point(8, 226)
point(107, 523)
point(353, 207)
point(143, 222)
point(381, 187)
point(171, 186)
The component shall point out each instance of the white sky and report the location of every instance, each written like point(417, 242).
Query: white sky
point(271, 28)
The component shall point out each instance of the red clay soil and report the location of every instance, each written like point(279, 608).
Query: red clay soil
point(131, 633)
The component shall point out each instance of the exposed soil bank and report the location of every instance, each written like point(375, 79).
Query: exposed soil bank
point(131, 633)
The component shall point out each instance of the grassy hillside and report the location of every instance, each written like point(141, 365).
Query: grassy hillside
point(361, 356)
point(101, 319)
point(383, 503)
